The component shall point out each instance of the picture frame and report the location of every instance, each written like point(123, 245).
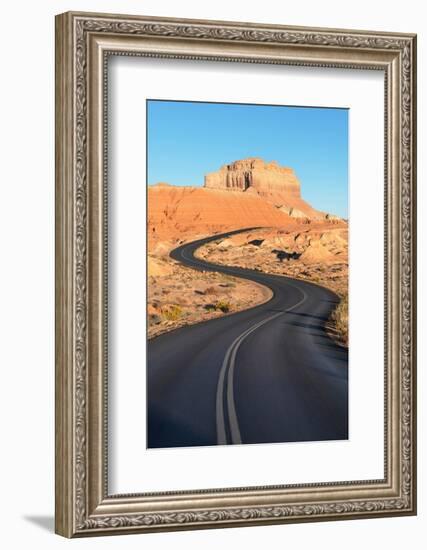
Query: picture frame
point(84, 41)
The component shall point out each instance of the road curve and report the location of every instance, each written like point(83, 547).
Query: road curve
point(268, 374)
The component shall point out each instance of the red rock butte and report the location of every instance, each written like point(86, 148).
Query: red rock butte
point(254, 173)
point(278, 184)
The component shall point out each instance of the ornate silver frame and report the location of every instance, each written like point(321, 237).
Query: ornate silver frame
point(83, 505)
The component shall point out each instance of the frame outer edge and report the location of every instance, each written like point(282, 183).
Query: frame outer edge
point(153, 19)
point(73, 400)
point(64, 237)
point(414, 270)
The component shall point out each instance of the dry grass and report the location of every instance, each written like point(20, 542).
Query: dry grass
point(339, 320)
point(173, 313)
point(223, 306)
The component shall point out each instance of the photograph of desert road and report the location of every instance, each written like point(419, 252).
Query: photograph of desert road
point(247, 267)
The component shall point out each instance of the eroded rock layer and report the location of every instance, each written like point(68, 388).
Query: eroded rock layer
point(278, 184)
point(254, 173)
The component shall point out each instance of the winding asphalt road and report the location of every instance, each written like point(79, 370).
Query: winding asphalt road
point(269, 374)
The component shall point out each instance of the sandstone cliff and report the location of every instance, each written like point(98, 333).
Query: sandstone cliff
point(254, 173)
point(277, 184)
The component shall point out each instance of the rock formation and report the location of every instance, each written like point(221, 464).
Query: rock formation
point(245, 193)
point(267, 177)
point(176, 211)
point(277, 184)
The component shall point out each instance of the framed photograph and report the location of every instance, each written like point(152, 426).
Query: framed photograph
point(235, 274)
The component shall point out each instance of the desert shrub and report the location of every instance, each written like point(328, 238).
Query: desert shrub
point(339, 319)
point(223, 306)
point(173, 313)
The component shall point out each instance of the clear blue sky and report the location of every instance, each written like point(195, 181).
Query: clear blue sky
point(186, 140)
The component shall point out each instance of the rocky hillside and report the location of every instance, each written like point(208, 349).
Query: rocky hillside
point(245, 193)
point(187, 212)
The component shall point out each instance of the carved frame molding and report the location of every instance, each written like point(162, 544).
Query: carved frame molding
point(83, 43)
